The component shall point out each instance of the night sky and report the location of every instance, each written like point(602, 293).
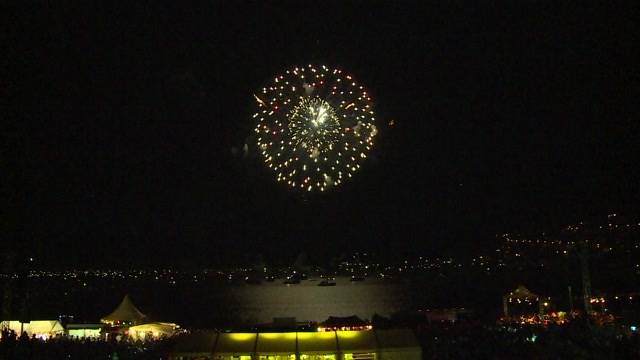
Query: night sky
point(122, 124)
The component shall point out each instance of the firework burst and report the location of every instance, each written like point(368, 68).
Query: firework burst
point(315, 125)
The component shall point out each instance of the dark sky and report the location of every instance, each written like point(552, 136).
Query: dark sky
point(121, 122)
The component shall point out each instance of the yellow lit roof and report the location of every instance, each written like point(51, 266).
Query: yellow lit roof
point(356, 340)
point(236, 343)
point(276, 343)
point(329, 342)
point(324, 341)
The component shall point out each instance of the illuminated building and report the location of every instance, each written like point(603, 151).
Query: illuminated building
point(334, 323)
point(398, 344)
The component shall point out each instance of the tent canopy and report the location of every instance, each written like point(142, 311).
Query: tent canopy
point(521, 293)
point(35, 327)
point(160, 327)
point(152, 330)
point(125, 312)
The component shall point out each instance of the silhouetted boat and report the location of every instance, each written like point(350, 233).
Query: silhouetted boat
point(252, 280)
point(326, 283)
point(293, 279)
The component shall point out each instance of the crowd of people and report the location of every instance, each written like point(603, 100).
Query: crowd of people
point(24, 347)
point(574, 340)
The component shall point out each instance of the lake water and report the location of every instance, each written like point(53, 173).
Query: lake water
point(308, 302)
point(209, 304)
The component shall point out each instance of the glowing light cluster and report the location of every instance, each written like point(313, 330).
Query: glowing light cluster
point(315, 125)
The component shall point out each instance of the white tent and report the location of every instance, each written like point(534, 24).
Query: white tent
point(153, 330)
point(39, 328)
point(126, 313)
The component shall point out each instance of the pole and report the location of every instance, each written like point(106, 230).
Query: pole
point(570, 300)
point(583, 254)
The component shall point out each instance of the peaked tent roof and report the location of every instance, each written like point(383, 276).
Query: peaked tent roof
point(521, 293)
point(126, 311)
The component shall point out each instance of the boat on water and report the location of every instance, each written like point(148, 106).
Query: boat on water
point(293, 279)
point(327, 283)
point(357, 278)
point(252, 280)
